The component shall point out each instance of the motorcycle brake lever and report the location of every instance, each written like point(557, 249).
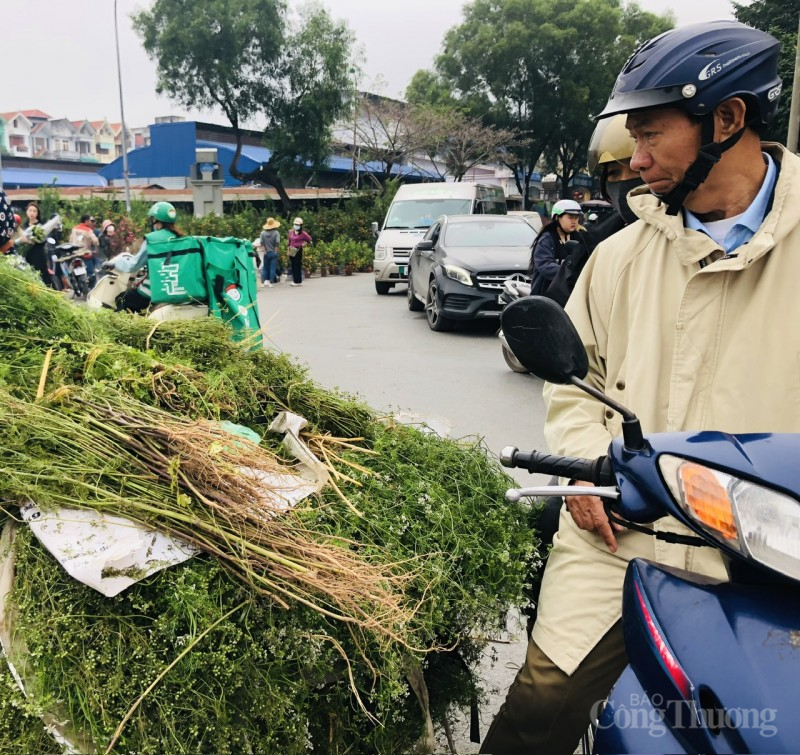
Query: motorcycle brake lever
point(545, 491)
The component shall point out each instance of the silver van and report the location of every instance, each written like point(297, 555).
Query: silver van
point(413, 210)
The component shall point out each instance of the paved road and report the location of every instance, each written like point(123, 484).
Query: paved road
point(374, 346)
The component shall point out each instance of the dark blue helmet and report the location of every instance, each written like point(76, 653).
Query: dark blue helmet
point(699, 66)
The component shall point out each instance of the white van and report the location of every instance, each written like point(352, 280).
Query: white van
point(413, 210)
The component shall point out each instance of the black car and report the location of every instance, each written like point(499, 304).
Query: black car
point(456, 271)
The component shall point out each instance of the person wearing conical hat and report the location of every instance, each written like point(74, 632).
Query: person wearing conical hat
point(270, 239)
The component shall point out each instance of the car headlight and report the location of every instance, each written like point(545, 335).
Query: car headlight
point(458, 274)
point(758, 522)
point(380, 251)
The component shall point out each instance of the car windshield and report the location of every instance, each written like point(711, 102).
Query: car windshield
point(420, 213)
point(489, 233)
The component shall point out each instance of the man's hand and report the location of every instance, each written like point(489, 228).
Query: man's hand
point(588, 513)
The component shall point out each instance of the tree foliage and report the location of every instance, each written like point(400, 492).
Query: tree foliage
point(250, 58)
point(541, 68)
point(779, 18)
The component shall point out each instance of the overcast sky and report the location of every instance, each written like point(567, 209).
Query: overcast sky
point(62, 59)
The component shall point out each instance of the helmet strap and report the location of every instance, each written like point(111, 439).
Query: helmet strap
point(708, 156)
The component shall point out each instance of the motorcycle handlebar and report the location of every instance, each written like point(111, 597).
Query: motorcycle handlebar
point(597, 471)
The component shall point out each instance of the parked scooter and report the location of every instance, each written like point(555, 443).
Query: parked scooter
point(75, 268)
point(112, 285)
point(713, 666)
point(511, 291)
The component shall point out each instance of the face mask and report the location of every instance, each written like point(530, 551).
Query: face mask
point(298, 227)
point(617, 192)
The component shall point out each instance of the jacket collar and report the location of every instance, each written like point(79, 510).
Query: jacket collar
point(693, 246)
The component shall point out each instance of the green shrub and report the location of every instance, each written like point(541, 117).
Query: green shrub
point(349, 220)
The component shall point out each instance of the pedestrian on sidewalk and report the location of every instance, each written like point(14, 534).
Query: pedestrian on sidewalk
point(270, 239)
point(298, 239)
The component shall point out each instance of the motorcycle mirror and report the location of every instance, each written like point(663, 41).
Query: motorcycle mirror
point(543, 338)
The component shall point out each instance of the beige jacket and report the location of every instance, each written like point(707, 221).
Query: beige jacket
point(688, 339)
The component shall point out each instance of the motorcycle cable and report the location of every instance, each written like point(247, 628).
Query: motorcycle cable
point(668, 537)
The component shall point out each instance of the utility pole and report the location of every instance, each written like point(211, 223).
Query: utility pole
point(355, 124)
point(122, 117)
point(794, 107)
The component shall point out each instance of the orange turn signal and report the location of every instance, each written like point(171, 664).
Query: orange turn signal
point(708, 499)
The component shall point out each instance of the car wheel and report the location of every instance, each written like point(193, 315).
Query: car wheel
point(513, 362)
point(382, 288)
point(436, 320)
point(414, 304)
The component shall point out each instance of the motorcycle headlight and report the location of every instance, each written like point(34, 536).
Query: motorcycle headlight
point(758, 522)
point(458, 274)
point(380, 251)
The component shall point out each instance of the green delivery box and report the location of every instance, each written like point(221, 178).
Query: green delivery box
point(231, 280)
point(176, 268)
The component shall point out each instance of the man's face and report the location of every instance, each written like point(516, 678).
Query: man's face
point(667, 143)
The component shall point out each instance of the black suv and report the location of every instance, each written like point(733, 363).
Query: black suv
point(456, 271)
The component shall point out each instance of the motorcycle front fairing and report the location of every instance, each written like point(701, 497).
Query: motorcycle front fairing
point(714, 667)
point(765, 458)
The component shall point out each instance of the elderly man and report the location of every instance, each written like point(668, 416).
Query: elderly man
point(689, 318)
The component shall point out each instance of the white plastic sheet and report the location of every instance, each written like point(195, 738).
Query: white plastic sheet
point(107, 553)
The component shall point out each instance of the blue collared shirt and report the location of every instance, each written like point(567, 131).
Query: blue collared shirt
point(747, 225)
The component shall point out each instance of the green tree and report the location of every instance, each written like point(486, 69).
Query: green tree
point(249, 58)
point(544, 76)
point(427, 89)
point(583, 96)
point(779, 18)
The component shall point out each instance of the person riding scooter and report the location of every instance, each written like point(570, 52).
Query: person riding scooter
point(84, 236)
point(610, 152)
point(677, 314)
point(163, 216)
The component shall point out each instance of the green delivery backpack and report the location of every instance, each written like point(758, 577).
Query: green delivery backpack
point(231, 279)
point(206, 269)
point(176, 269)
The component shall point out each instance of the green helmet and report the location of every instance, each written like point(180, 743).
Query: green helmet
point(163, 212)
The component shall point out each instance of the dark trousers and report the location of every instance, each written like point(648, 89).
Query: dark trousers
point(269, 267)
point(132, 301)
point(547, 711)
point(297, 266)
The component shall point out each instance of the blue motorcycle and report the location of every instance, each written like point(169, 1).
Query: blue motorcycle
point(714, 667)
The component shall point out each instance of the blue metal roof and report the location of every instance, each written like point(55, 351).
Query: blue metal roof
point(249, 160)
point(171, 153)
point(345, 165)
point(35, 177)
